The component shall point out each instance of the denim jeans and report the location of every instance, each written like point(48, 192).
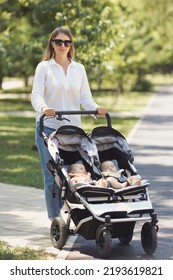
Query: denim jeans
point(51, 190)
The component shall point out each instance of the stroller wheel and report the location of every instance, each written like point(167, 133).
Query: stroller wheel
point(58, 233)
point(126, 239)
point(103, 241)
point(149, 238)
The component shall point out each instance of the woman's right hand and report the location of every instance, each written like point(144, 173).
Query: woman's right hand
point(49, 112)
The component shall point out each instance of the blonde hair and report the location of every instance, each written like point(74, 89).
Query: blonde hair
point(49, 52)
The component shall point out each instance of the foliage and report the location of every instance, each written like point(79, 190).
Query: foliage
point(8, 252)
point(118, 41)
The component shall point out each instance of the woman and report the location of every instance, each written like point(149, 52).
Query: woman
point(59, 84)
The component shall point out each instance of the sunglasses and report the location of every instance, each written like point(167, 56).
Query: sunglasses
point(59, 42)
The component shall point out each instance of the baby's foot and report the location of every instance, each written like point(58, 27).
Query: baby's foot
point(135, 180)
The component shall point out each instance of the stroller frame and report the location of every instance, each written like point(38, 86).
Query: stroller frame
point(84, 204)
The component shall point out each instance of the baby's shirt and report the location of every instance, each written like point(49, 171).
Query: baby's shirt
point(80, 177)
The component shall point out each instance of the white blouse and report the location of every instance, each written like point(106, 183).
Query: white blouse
point(52, 88)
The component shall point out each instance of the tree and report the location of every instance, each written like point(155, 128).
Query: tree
point(118, 41)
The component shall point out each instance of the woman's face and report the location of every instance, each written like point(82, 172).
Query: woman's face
point(61, 44)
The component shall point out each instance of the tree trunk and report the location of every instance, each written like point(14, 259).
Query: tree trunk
point(1, 80)
point(26, 81)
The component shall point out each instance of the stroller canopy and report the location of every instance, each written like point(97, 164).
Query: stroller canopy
point(106, 138)
point(71, 139)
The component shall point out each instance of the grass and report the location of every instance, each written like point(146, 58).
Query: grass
point(14, 104)
point(19, 162)
point(8, 252)
point(127, 102)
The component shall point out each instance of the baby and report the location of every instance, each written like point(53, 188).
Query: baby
point(78, 173)
point(111, 175)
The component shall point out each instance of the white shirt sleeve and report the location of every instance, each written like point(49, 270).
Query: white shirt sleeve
point(38, 89)
point(85, 97)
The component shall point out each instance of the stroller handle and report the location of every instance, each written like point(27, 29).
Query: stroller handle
point(81, 112)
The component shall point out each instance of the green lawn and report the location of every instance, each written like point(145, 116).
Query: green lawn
point(129, 102)
point(19, 163)
point(15, 105)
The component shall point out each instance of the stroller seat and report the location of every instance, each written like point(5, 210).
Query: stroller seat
point(92, 193)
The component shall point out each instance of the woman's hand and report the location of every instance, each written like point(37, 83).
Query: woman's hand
point(49, 112)
point(102, 111)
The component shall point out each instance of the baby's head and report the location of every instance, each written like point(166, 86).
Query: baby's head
point(77, 168)
point(107, 165)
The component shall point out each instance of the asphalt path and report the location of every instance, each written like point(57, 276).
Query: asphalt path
point(152, 144)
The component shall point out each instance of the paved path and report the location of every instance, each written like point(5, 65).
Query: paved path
point(153, 146)
point(23, 219)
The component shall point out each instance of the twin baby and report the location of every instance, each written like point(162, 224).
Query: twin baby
point(78, 174)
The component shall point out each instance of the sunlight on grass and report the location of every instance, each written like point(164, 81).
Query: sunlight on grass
point(18, 169)
point(10, 141)
point(16, 128)
point(18, 157)
point(14, 105)
point(133, 101)
point(124, 125)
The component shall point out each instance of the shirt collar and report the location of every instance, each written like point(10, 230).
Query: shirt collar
point(53, 62)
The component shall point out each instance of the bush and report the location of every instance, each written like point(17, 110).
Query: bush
point(143, 85)
point(8, 252)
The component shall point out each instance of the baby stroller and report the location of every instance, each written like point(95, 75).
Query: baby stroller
point(98, 213)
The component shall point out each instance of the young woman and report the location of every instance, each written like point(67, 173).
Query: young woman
point(59, 84)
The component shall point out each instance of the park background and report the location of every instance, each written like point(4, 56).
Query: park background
point(126, 47)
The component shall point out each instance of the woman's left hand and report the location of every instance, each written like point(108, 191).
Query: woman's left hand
point(102, 111)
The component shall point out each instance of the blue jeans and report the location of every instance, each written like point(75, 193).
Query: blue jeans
point(51, 190)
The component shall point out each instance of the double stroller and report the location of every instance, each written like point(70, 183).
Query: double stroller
point(97, 213)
